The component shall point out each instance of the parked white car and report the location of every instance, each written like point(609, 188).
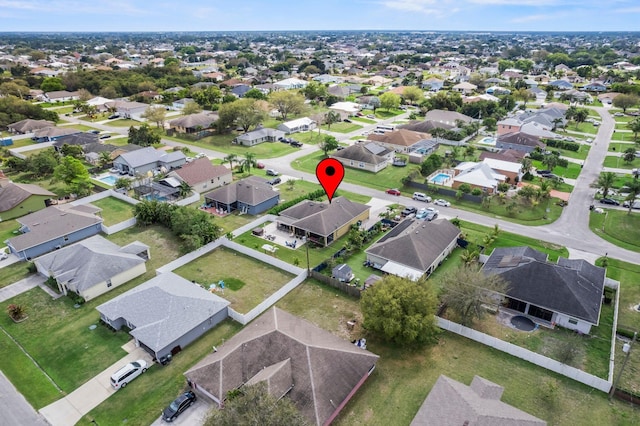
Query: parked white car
point(441, 202)
point(120, 378)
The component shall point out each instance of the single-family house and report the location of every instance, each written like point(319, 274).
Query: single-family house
point(447, 117)
point(512, 171)
point(518, 141)
point(61, 96)
point(425, 126)
point(194, 123)
point(50, 134)
point(303, 124)
point(127, 109)
point(465, 88)
point(203, 176)
point(254, 137)
point(413, 248)
point(510, 155)
point(29, 125)
point(252, 195)
point(240, 90)
point(342, 272)
point(561, 85)
point(365, 156)
point(322, 222)
point(290, 83)
point(19, 199)
point(317, 371)
point(509, 125)
point(80, 139)
point(180, 103)
point(401, 140)
point(93, 266)
point(165, 314)
point(432, 84)
point(345, 109)
point(148, 159)
point(53, 228)
point(477, 175)
point(595, 87)
point(568, 293)
point(451, 403)
point(327, 78)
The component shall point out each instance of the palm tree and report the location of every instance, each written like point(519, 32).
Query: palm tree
point(104, 159)
point(634, 190)
point(580, 116)
point(605, 181)
point(248, 161)
point(634, 126)
point(330, 118)
point(230, 159)
point(557, 121)
point(527, 164)
point(185, 189)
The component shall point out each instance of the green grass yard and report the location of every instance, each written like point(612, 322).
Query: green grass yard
point(342, 127)
point(114, 210)
point(621, 146)
point(619, 163)
point(222, 143)
point(617, 227)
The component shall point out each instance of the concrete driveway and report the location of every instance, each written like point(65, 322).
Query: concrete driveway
point(70, 409)
point(194, 415)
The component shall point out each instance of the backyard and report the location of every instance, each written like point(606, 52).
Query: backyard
point(247, 281)
point(114, 210)
point(403, 377)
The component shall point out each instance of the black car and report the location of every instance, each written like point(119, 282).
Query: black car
point(114, 116)
point(543, 172)
point(408, 210)
point(609, 201)
point(180, 404)
point(296, 144)
point(274, 181)
point(105, 136)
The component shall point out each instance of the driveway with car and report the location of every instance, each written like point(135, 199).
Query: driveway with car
point(194, 415)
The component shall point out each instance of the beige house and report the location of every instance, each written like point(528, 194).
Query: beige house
point(203, 176)
point(93, 266)
point(364, 156)
point(401, 140)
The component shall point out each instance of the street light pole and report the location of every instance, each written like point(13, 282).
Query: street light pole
point(626, 349)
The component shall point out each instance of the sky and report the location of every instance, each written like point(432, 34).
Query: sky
point(242, 15)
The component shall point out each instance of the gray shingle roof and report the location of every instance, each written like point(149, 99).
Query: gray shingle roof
point(147, 155)
point(13, 194)
point(163, 309)
point(202, 119)
point(324, 368)
point(89, 262)
point(200, 170)
point(323, 218)
point(53, 222)
point(572, 287)
point(451, 403)
point(251, 191)
point(362, 153)
point(417, 244)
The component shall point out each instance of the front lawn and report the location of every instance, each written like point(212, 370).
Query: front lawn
point(622, 136)
point(619, 163)
point(122, 122)
point(260, 279)
point(571, 171)
point(621, 146)
point(222, 143)
point(583, 127)
point(581, 154)
point(311, 138)
point(114, 210)
point(342, 127)
point(403, 377)
point(617, 227)
point(13, 273)
point(364, 120)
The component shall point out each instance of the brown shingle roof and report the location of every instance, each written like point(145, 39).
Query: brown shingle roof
point(252, 191)
point(323, 218)
point(13, 194)
point(400, 137)
point(519, 138)
point(360, 153)
point(200, 170)
point(29, 125)
point(324, 368)
point(191, 121)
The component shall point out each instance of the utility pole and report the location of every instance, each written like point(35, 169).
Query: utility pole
point(626, 349)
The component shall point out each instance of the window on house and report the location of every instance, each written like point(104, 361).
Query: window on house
point(573, 321)
point(66, 238)
point(109, 283)
point(361, 165)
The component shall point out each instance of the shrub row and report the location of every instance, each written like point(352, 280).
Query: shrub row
point(571, 146)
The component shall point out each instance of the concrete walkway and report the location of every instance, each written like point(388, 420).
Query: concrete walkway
point(70, 409)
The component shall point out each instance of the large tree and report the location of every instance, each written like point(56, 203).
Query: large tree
point(400, 310)
point(389, 101)
point(75, 175)
point(249, 114)
point(330, 118)
point(156, 114)
point(191, 108)
point(412, 94)
point(634, 126)
point(467, 288)
point(633, 188)
point(254, 405)
point(625, 101)
point(143, 136)
point(287, 102)
point(329, 143)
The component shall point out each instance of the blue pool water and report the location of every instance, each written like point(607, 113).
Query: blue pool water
point(154, 197)
point(109, 180)
point(488, 141)
point(440, 178)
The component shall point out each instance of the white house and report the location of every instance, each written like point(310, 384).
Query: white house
point(303, 124)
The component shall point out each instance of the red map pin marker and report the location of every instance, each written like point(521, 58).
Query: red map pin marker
point(330, 173)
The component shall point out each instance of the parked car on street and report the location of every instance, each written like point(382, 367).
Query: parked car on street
point(371, 116)
point(178, 406)
point(394, 191)
point(271, 172)
point(260, 165)
point(609, 201)
point(114, 116)
point(635, 204)
point(441, 202)
point(419, 196)
point(105, 136)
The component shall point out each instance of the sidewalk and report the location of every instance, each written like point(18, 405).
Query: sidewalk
point(21, 286)
point(70, 409)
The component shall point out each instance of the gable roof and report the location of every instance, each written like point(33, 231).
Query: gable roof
point(323, 218)
point(448, 117)
point(480, 174)
point(199, 171)
point(163, 309)
point(29, 125)
point(77, 139)
point(260, 134)
point(572, 287)
point(251, 191)
point(414, 243)
point(89, 262)
point(400, 137)
point(370, 153)
point(510, 155)
point(451, 403)
point(55, 132)
point(54, 222)
point(324, 368)
point(425, 126)
point(12, 194)
point(147, 155)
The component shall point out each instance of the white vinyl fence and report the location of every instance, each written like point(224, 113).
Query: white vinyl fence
point(527, 355)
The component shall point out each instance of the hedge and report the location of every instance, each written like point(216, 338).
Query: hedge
point(570, 146)
point(309, 196)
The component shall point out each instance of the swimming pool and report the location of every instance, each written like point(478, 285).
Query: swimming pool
point(487, 141)
point(440, 178)
point(109, 180)
point(151, 197)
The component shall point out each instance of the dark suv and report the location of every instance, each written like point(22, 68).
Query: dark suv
point(274, 181)
point(180, 404)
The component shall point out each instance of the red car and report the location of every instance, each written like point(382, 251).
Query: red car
point(260, 165)
point(393, 191)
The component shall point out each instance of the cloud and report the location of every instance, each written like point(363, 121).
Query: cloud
point(427, 7)
point(530, 18)
point(100, 7)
